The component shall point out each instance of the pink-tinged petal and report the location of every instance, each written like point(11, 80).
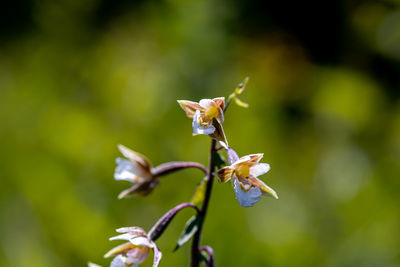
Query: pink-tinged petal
point(266, 190)
point(141, 241)
point(207, 103)
point(138, 254)
point(259, 169)
point(246, 198)
point(134, 230)
point(134, 156)
point(157, 256)
point(220, 101)
point(190, 107)
point(121, 249)
point(225, 174)
point(219, 134)
point(200, 129)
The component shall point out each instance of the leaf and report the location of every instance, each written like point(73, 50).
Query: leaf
point(191, 227)
point(199, 193)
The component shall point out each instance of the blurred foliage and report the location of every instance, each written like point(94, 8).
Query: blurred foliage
point(79, 77)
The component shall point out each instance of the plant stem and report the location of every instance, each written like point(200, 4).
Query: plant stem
point(169, 167)
point(195, 259)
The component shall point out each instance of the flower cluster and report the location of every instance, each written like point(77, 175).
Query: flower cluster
point(207, 119)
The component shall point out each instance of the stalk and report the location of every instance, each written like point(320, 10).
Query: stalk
point(195, 259)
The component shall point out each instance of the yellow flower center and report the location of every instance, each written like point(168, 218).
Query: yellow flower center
point(212, 112)
point(208, 116)
point(242, 171)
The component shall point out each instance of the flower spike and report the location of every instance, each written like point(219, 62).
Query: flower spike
point(208, 116)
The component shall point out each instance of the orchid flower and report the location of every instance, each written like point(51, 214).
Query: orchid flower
point(137, 170)
point(244, 172)
point(135, 251)
point(208, 116)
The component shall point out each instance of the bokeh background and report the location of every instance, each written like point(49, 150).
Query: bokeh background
point(77, 77)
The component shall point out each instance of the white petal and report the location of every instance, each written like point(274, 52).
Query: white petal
point(246, 198)
point(259, 169)
point(119, 261)
point(127, 236)
point(141, 241)
point(199, 129)
point(207, 103)
point(125, 170)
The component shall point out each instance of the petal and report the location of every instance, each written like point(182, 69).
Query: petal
point(125, 171)
point(129, 192)
point(225, 174)
point(249, 160)
point(199, 129)
point(121, 249)
point(118, 261)
point(138, 254)
point(141, 241)
point(133, 230)
point(190, 107)
point(246, 198)
point(207, 103)
point(220, 117)
point(259, 169)
point(157, 256)
point(126, 236)
point(266, 190)
point(134, 156)
point(91, 264)
point(220, 101)
point(219, 134)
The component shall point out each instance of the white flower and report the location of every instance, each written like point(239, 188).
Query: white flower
point(244, 172)
point(135, 251)
point(137, 170)
point(208, 116)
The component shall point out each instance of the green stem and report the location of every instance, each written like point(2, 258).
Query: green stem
point(195, 261)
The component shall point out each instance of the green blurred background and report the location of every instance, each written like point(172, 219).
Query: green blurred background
point(79, 77)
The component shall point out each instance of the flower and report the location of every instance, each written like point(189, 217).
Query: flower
point(135, 251)
point(137, 170)
point(208, 116)
point(244, 172)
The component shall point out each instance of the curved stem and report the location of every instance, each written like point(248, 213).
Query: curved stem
point(195, 259)
point(169, 167)
point(160, 226)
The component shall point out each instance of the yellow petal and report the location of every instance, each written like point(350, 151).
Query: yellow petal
point(121, 249)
